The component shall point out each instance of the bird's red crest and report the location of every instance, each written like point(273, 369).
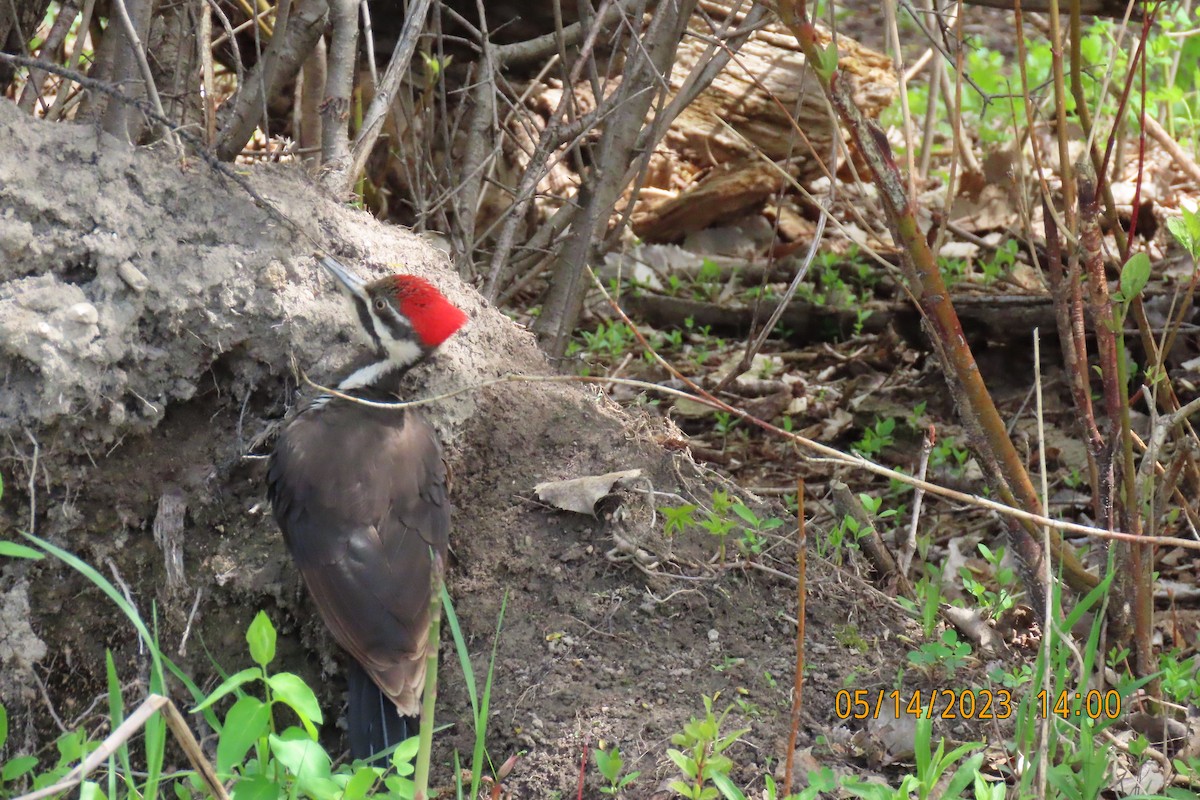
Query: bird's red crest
point(433, 317)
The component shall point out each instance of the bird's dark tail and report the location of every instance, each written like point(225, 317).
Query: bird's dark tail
point(373, 721)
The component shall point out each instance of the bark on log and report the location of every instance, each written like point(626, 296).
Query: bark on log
point(751, 111)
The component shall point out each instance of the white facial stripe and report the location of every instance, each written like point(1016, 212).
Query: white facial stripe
point(400, 355)
point(402, 352)
point(365, 376)
point(381, 331)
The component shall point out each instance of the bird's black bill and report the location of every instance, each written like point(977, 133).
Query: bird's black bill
point(373, 721)
point(353, 284)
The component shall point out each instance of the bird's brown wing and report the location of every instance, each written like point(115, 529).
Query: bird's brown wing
point(366, 532)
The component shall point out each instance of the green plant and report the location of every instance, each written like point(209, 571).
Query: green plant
point(701, 758)
point(932, 764)
point(609, 340)
point(846, 534)
point(251, 748)
point(946, 453)
point(719, 525)
point(677, 519)
point(1075, 747)
point(725, 422)
point(876, 437)
point(708, 280)
point(251, 725)
point(1012, 679)
point(1180, 677)
point(851, 637)
point(944, 656)
point(12, 770)
point(480, 702)
point(611, 766)
point(1186, 230)
point(753, 540)
point(915, 417)
point(1001, 599)
point(952, 269)
point(861, 315)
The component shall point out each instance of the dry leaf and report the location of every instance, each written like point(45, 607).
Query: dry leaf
point(580, 494)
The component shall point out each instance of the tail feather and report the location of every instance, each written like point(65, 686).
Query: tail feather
point(373, 721)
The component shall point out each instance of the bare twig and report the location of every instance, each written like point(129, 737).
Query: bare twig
point(33, 482)
point(187, 629)
point(124, 732)
point(54, 39)
point(535, 171)
point(910, 543)
point(138, 51)
point(296, 32)
point(60, 99)
point(386, 89)
point(646, 67)
point(339, 84)
point(801, 595)
point(852, 460)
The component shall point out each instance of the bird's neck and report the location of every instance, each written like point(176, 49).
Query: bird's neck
point(372, 378)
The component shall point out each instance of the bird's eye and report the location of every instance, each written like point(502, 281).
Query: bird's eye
point(380, 304)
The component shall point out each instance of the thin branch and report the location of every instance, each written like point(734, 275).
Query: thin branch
point(852, 460)
point(386, 89)
point(138, 51)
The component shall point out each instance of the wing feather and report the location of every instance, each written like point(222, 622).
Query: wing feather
point(367, 532)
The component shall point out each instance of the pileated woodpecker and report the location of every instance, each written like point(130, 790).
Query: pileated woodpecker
point(360, 496)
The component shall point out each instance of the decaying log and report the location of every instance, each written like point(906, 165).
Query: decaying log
point(747, 113)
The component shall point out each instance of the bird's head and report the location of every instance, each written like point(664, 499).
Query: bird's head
point(404, 316)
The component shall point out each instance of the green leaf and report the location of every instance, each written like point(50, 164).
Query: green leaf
point(746, 514)
point(681, 788)
point(228, 685)
point(306, 760)
point(248, 720)
point(363, 781)
point(608, 762)
point(1179, 229)
point(1135, 275)
point(1186, 230)
point(17, 767)
point(726, 741)
point(727, 787)
point(261, 638)
point(257, 787)
point(3, 724)
point(116, 715)
point(406, 751)
point(963, 776)
point(686, 765)
point(14, 550)
point(464, 655)
point(293, 691)
point(827, 60)
point(403, 788)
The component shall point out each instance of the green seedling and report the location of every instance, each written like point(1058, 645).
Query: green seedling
point(612, 767)
point(700, 756)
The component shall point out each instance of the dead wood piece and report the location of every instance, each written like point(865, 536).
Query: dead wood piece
point(996, 319)
point(758, 93)
point(752, 108)
point(869, 539)
point(723, 194)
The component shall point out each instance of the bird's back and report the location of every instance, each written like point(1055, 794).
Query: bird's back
point(360, 496)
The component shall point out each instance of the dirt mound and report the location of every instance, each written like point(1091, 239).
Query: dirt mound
point(149, 317)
